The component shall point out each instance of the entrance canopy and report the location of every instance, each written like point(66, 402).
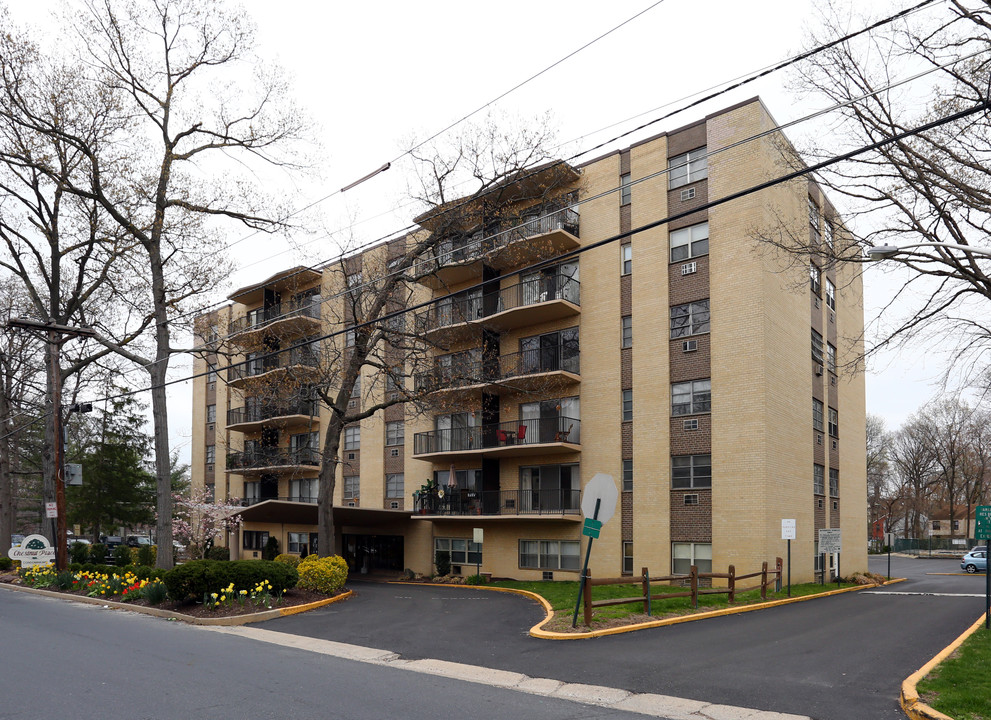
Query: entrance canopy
point(299, 513)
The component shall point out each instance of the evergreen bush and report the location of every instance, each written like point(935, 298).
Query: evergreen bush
point(98, 554)
point(122, 556)
point(443, 562)
point(78, 552)
point(325, 575)
point(147, 555)
point(6, 563)
point(271, 550)
point(218, 553)
point(198, 577)
point(291, 560)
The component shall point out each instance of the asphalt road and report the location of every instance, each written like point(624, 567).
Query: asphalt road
point(68, 660)
point(832, 658)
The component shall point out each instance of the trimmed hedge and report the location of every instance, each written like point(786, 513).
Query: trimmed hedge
point(292, 560)
point(326, 575)
point(197, 577)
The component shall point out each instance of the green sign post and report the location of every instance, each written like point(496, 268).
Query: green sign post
point(982, 531)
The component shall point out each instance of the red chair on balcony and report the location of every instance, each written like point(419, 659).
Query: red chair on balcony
point(501, 436)
point(521, 433)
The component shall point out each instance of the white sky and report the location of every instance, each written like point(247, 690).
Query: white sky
point(373, 74)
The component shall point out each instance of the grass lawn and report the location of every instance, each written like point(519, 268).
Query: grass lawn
point(562, 596)
point(961, 685)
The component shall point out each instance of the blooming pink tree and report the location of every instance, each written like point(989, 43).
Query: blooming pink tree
point(198, 521)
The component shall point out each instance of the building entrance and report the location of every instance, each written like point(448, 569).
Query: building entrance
point(368, 553)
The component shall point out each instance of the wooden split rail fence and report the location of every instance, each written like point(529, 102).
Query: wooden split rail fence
point(692, 590)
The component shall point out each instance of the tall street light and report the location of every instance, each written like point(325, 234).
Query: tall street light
point(886, 252)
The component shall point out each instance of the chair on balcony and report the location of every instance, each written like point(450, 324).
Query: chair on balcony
point(501, 436)
point(521, 433)
point(562, 436)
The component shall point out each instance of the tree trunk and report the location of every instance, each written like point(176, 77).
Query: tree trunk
point(326, 532)
point(6, 478)
point(160, 412)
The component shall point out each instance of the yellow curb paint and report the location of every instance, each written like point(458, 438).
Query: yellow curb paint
point(913, 707)
point(296, 609)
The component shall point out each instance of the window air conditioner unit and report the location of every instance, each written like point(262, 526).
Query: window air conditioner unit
point(692, 424)
point(692, 499)
point(394, 505)
point(689, 268)
point(832, 381)
point(832, 317)
point(818, 438)
point(351, 504)
point(688, 194)
point(350, 456)
point(689, 345)
point(819, 370)
point(835, 446)
point(395, 452)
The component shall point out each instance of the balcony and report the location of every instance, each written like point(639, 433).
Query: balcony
point(254, 417)
point(535, 436)
point(282, 318)
point(528, 370)
point(547, 232)
point(267, 460)
point(532, 301)
point(459, 502)
point(248, 502)
point(303, 360)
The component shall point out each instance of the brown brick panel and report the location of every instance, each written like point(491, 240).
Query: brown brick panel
point(694, 219)
point(624, 161)
point(626, 432)
point(626, 297)
point(819, 449)
point(690, 365)
point(391, 464)
point(626, 369)
point(351, 466)
point(819, 513)
point(676, 205)
point(687, 138)
point(691, 523)
point(688, 288)
point(626, 513)
point(816, 312)
point(625, 218)
point(818, 385)
point(691, 442)
point(395, 413)
point(834, 515)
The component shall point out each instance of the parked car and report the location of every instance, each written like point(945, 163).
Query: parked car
point(975, 561)
point(138, 540)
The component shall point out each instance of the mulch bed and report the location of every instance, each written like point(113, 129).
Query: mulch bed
point(291, 598)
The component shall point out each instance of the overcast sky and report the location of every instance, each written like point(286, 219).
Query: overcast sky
point(371, 75)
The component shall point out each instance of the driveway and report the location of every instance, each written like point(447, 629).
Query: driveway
point(838, 657)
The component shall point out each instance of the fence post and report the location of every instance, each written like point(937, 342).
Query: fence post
point(645, 584)
point(587, 599)
point(779, 569)
point(763, 580)
point(732, 584)
point(693, 580)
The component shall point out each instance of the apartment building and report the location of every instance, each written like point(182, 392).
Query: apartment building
point(701, 368)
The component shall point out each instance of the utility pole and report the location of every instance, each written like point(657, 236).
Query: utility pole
point(53, 334)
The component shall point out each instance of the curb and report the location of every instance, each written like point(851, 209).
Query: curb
point(909, 698)
point(537, 630)
point(189, 619)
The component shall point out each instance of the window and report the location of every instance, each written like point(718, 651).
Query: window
point(356, 388)
point(463, 479)
point(395, 433)
point(689, 242)
point(463, 551)
point(691, 471)
point(817, 558)
point(298, 542)
point(549, 554)
point(627, 557)
point(352, 485)
point(624, 189)
point(251, 492)
point(815, 279)
point(830, 294)
point(254, 539)
point(211, 372)
point(304, 490)
point(626, 333)
point(936, 525)
point(828, 227)
point(354, 280)
point(684, 555)
point(627, 475)
point(394, 485)
point(834, 482)
point(688, 398)
point(831, 357)
point(687, 168)
point(818, 480)
point(690, 319)
point(814, 221)
point(627, 405)
point(352, 437)
point(626, 257)
point(956, 524)
point(538, 353)
point(395, 380)
point(211, 413)
point(816, 347)
point(817, 419)
point(834, 423)
point(349, 338)
point(211, 454)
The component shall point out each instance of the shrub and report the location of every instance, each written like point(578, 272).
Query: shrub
point(98, 554)
point(147, 555)
point(271, 550)
point(78, 552)
point(443, 562)
point(122, 556)
point(475, 580)
point(155, 592)
point(218, 553)
point(198, 577)
point(291, 560)
point(6, 563)
point(326, 575)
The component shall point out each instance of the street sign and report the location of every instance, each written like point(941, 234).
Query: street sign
point(889, 539)
point(477, 534)
point(830, 541)
point(788, 529)
point(51, 510)
point(600, 487)
point(592, 527)
point(982, 530)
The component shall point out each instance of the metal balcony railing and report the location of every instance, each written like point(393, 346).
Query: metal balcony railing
point(247, 502)
point(533, 431)
point(310, 308)
point(302, 356)
point(562, 357)
point(257, 413)
point(272, 457)
point(459, 501)
point(478, 307)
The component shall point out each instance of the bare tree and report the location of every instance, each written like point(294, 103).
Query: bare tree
point(914, 462)
point(878, 468)
point(976, 469)
point(180, 154)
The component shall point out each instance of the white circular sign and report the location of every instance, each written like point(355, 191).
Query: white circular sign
point(601, 487)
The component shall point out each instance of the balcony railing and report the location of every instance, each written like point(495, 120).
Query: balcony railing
point(301, 356)
point(247, 502)
point(308, 308)
point(272, 457)
point(464, 372)
point(498, 502)
point(258, 413)
point(534, 431)
point(531, 291)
